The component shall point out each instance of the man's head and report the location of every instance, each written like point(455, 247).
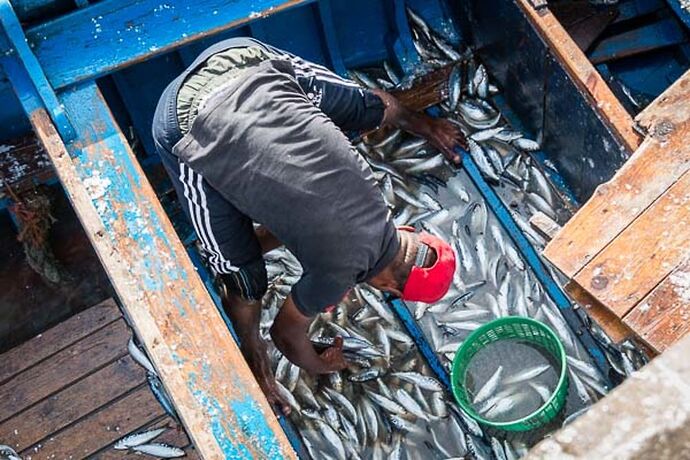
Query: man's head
point(421, 271)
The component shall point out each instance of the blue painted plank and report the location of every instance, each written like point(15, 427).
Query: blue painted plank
point(359, 22)
point(327, 22)
point(289, 429)
point(683, 13)
point(401, 44)
point(297, 31)
point(657, 35)
point(632, 9)
point(15, 42)
point(111, 34)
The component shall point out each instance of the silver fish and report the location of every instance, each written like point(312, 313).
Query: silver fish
point(140, 357)
point(410, 404)
point(385, 403)
point(136, 439)
point(423, 381)
point(477, 154)
point(160, 450)
point(489, 387)
point(526, 145)
point(527, 374)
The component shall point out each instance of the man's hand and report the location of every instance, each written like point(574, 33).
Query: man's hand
point(289, 333)
point(332, 358)
point(443, 135)
point(256, 355)
point(440, 133)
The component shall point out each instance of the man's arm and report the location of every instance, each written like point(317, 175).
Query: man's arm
point(289, 333)
point(441, 133)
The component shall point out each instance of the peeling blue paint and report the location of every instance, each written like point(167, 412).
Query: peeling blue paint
point(248, 417)
point(251, 418)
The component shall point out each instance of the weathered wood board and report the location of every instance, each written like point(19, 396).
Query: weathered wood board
point(618, 202)
point(80, 391)
point(663, 317)
point(627, 247)
point(583, 73)
point(57, 338)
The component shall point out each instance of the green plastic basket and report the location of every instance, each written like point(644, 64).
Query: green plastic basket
point(512, 327)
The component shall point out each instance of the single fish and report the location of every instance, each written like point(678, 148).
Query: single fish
point(489, 387)
point(454, 87)
point(162, 396)
point(479, 157)
point(140, 357)
point(288, 396)
point(409, 403)
point(7, 453)
point(525, 144)
point(160, 450)
point(138, 438)
point(385, 403)
point(343, 402)
point(542, 390)
point(423, 381)
point(527, 374)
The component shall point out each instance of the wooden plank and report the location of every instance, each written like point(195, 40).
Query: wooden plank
point(663, 317)
point(74, 402)
point(652, 169)
point(23, 163)
point(656, 35)
point(545, 225)
point(55, 339)
point(426, 91)
point(611, 324)
point(584, 74)
point(643, 254)
point(670, 109)
point(64, 368)
point(108, 36)
point(100, 429)
point(202, 369)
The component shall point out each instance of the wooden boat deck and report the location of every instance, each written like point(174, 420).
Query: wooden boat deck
point(627, 250)
point(74, 390)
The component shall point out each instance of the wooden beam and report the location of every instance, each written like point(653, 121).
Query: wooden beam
point(112, 34)
point(583, 74)
point(659, 162)
point(643, 254)
point(201, 367)
point(668, 111)
point(544, 225)
point(660, 34)
point(611, 324)
point(662, 318)
point(652, 169)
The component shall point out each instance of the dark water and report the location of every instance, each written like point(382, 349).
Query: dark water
point(515, 399)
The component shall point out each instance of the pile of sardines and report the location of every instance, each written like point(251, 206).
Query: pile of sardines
point(387, 404)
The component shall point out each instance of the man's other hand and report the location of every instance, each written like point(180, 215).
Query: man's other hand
point(332, 358)
point(445, 136)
